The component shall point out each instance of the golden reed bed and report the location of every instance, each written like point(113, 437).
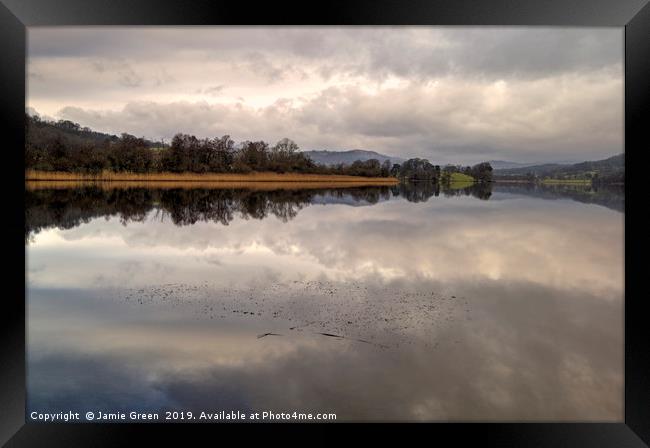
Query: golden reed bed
point(257, 181)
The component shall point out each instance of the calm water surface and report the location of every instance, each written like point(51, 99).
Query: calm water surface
point(378, 303)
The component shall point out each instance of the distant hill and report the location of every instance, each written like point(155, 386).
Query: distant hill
point(502, 164)
point(535, 169)
point(347, 157)
point(43, 130)
point(612, 169)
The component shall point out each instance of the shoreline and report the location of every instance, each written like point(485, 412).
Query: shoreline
point(561, 182)
point(32, 185)
point(542, 182)
point(38, 180)
point(109, 176)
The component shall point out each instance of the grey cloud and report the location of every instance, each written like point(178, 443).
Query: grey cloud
point(130, 79)
point(126, 75)
point(99, 66)
point(373, 51)
point(524, 51)
point(259, 64)
point(212, 90)
point(163, 77)
point(455, 123)
point(462, 94)
point(500, 52)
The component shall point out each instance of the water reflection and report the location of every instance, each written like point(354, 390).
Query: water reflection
point(610, 196)
point(389, 303)
point(70, 207)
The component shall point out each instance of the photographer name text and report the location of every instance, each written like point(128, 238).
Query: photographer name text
point(102, 416)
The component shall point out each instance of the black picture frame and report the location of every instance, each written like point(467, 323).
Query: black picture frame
point(633, 15)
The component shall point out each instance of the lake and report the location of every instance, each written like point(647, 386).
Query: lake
point(484, 303)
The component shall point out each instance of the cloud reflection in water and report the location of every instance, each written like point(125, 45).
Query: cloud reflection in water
point(539, 338)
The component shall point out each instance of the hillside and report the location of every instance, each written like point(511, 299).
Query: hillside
point(611, 169)
point(41, 131)
point(347, 157)
point(504, 164)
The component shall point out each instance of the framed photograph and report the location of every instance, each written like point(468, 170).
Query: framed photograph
point(361, 212)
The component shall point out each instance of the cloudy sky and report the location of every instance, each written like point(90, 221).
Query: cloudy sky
point(449, 94)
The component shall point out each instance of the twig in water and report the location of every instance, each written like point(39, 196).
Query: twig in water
point(267, 334)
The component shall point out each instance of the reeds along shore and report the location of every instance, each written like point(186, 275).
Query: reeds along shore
point(262, 181)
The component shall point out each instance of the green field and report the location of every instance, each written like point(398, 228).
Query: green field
point(459, 180)
point(460, 177)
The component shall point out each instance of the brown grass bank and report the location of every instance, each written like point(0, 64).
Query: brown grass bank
point(258, 181)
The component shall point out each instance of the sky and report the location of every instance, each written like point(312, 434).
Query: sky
point(448, 94)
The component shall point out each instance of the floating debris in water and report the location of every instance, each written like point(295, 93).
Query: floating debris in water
point(384, 315)
point(260, 336)
point(331, 335)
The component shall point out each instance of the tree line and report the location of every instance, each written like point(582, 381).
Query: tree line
point(66, 146)
point(422, 169)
